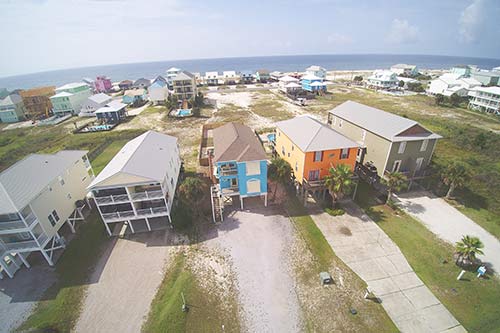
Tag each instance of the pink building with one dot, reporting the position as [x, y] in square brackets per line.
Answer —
[102, 84]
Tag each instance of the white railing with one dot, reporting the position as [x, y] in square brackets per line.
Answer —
[30, 219]
[152, 211]
[118, 215]
[146, 195]
[19, 224]
[30, 244]
[112, 199]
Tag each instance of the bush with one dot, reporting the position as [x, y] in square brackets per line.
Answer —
[335, 212]
[415, 86]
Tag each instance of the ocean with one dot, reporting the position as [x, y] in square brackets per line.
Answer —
[272, 63]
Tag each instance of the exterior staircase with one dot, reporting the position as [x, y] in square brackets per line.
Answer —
[217, 204]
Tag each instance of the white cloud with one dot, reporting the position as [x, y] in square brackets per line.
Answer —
[471, 20]
[337, 38]
[402, 32]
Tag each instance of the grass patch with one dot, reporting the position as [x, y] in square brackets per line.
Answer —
[204, 315]
[107, 154]
[60, 308]
[474, 302]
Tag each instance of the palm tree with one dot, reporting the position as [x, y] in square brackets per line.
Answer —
[280, 172]
[395, 181]
[455, 174]
[467, 249]
[338, 182]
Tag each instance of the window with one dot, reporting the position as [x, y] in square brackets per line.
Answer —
[252, 168]
[293, 147]
[51, 220]
[283, 150]
[396, 166]
[341, 122]
[424, 145]
[344, 154]
[318, 156]
[363, 136]
[69, 196]
[253, 186]
[288, 154]
[234, 182]
[296, 166]
[54, 213]
[402, 147]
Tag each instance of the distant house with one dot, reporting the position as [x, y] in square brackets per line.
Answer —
[158, 90]
[141, 83]
[103, 84]
[4, 93]
[246, 77]
[229, 77]
[486, 99]
[184, 86]
[316, 71]
[286, 81]
[212, 78]
[262, 75]
[276, 75]
[406, 80]
[93, 103]
[39, 194]
[461, 70]
[312, 148]
[389, 142]
[12, 109]
[69, 98]
[125, 84]
[113, 113]
[134, 96]
[137, 187]
[487, 78]
[37, 101]
[313, 83]
[405, 70]
[382, 79]
[170, 74]
[449, 84]
[91, 83]
[199, 78]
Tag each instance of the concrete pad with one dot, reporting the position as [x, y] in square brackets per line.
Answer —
[439, 318]
[368, 270]
[407, 280]
[421, 297]
[397, 305]
[383, 286]
[456, 329]
[400, 263]
[413, 323]
[387, 266]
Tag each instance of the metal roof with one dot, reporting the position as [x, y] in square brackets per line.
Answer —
[11, 100]
[72, 85]
[382, 123]
[26, 179]
[100, 98]
[112, 106]
[237, 142]
[310, 134]
[147, 156]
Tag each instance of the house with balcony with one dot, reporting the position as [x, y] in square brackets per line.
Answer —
[238, 165]
[112, 113]
[12, 109]
[184, 86]
[405, 70]
[170, 74]
[69, 98]
[382, 79]
[94, 103]
[316, 71]
[246, 77]
[313, 83]
[229, 77]
[486, 77]
[136, 189]
[37, 102]
[262, 75]
[449, 84]
[38, 196]
[135, 97]
[211, 78]
[125, 84]
[486, 99]
[312, 148]
[388, 142]
[102, 84]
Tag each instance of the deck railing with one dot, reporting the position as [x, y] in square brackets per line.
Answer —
[146, 195]
[112, 199]
[18, 224]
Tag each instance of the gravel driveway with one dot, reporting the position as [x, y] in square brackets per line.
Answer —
[124, 283]
[449, 224]
[257, 241]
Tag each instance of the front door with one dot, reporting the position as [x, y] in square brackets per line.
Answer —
[313, 175]
[418, 164]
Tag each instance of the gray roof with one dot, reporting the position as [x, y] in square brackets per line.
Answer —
[24, 180]
[11, 100]
[184, 75]
[147, 156]
[310, 134]
[100, 98]
[237, 142]
[382, 123]
[112, 106]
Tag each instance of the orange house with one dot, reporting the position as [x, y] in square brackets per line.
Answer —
[312, 148]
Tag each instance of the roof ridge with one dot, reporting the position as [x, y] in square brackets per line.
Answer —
[145, 134]
[314, 137]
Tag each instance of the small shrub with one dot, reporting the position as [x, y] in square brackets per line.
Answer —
[335, 212]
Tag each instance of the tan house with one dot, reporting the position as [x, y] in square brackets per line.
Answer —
[388, 141]
[184, 85]
[37, 101]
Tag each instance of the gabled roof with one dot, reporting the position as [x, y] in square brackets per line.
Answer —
[160, 79]
[100, 98]
[11, 100]
[62, 94]
[288, 78]
[211, 75]
[237, 142]
[310, 134]
[146, 157]
[184, 75]
[382, 123]
[311, 77]
[24, 180]
[112, 106]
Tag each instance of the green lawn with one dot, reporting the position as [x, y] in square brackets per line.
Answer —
[473, 301]
[337, 301]
[60, 308]
[205, 313]
[107, 154]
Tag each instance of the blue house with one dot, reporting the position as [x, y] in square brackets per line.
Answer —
[239, 163]
[313, 83]
[113, 113]
[135, 96]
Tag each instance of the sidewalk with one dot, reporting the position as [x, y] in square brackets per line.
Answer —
[371, 254]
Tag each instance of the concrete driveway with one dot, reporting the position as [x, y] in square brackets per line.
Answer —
[124, 283]
[257, 241]
[371, 254]
[449, 224]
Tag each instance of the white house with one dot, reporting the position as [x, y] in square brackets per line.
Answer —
[404, 69]
[316, 71]
[485, 99]
[212, 78]
[449, 84]
[171, 73]
[38, 195]
[93, 103]
[382, 79]
[137, 187]
[285, 81]
[230, 77]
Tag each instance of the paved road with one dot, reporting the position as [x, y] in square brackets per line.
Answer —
[449, 224]
[371, 254]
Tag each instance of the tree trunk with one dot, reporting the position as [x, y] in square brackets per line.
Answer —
[450, 191]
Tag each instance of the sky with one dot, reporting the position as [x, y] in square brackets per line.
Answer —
[41, 35]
